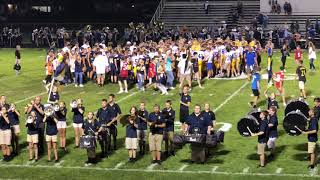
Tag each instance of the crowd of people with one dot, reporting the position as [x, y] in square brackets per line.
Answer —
[10, 37]
[276, 7]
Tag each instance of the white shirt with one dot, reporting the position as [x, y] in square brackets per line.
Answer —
[101, 63]
[312, 53]
[181, 67]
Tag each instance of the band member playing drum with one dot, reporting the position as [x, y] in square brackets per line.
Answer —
[102, 116]
[273, 130]
[142, 128]
[51, 136]
[114, 113]
[157, 124]
[312, 133]
[131, 136]
[301, 76]
[78, 121]
[38, 108]
[32, 135]
[61, 116]
[262, 137]
[5, 134]
[184, 105]
[91, 127]
[169, 116]
[13, 115]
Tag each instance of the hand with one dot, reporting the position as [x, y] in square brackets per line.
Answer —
[303, 132]
[108, 124]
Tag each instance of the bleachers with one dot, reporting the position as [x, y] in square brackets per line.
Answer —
[192, 14]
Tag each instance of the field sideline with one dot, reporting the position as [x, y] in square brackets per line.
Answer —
[235, 159]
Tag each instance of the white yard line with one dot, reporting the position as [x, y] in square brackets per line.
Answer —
[31, 97]
[279, 170]
[150, 168]
[214, 169]
[159, 171]
[183, 167]
[59, 163]
[231, 96]
[119, 165]
[245, 170]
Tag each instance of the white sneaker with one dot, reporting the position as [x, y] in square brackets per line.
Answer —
[201, 87]
[81, 85]
[126, 91]
[44, 81]
[76, 85]
[284, 70]
[284, 104]
[171, 88]
[120, 92]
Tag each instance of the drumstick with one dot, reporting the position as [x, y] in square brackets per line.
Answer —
[298, 128]
[249, 130]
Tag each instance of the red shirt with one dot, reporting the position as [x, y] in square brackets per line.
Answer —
[124, 69]
[297, 54]
[279, 79]
[152, 70]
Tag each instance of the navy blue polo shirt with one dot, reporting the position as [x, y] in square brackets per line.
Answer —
[313, 125]
[131, 131]
[273, 131]
[102, 115]
[13, 118]
[169, 116]
[142, 125]
[113, 111]
[54, 97]
[197, 121]
[158, 119]
[51, 128]
[77, 116]
[39, 116]
[89, 127]
[185, 99]
[210, 116]
[263, 128]
[61, 115]
[32, 128]
[3, 124]
[317, 112]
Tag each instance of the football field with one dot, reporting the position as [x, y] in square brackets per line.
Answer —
[236, 158]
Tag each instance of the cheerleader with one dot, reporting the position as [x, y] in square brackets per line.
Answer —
[13, 115]
[78, 121]
[62, 124]
[32, 135]
[51, 136]
[5, 134]
[91, 127]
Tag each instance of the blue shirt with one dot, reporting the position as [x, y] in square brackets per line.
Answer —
[255, 79]
[185, 99]
[54, 97]
[32, 128]
[113, 111]
[51, 128]
[156, 118]
[169, 116]
[61, 115]
[313, 125]
[197, 121]
[269, 51]
[90, 128]
[13, 118]
[77, 116]
[142, 125]
[131, 131]
[3, 124]
[273, 131]
[102, 115]
[250, 56]
[263, 128]
[78, 66]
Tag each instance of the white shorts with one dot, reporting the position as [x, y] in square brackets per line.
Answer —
[301, 85]
[76, 125]
[131, 143]
[61, 125]
[271, 142]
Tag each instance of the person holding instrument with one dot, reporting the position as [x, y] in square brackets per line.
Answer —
[102, 116]
[169, 116]
[114, 112]
[131, 136]
[51, 136]
[312, 133]
[262, 137]
[142, 127]
[78, 112]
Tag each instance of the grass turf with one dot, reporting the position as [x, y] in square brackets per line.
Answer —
[236, 154]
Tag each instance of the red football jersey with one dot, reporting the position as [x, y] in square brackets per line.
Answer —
[279, 79]
[298, 54]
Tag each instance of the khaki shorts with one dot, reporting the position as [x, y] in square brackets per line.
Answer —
[155, 142]
[261, 148]
[101, 75]
[185, 77]
[301, 85]
[5, 137]
[33, 138]
[51, 138]
[61, 125]
[77, 125]
[312, 147]
[131, 143]
[16, 129]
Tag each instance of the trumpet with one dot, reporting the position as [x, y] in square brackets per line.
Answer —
[48, 111]
[56, 107]
[74, 103]
[30, 119]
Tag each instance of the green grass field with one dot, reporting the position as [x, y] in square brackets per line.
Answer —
[234, 159]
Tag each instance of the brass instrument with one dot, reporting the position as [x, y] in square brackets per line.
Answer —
[49, 110]
[30, 119]
[56, 107]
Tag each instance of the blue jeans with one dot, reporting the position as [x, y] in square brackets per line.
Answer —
[140, 80]
[170, 78]
[78, 77]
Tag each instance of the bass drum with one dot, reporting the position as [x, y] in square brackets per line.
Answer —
[255, 114]
[292, 120]
[251, 122]
[297, 104]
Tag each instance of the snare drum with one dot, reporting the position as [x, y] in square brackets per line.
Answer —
[87, 142]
